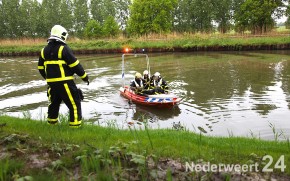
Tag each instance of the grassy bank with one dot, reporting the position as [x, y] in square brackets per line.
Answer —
[33, 149]
[156, 43]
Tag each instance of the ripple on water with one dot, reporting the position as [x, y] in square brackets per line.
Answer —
[239, 96]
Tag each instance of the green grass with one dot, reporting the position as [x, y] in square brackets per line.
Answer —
[114, 145]
[179, 143]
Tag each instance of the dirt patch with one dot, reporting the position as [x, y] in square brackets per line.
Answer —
[34, 154]
[38, 161]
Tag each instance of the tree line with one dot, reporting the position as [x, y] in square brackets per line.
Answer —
[109, 18]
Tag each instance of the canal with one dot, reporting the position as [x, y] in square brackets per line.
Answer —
[223, 93]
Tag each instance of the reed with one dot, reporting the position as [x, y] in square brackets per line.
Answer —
[22, 41]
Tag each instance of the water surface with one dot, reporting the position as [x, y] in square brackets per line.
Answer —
[224, 93]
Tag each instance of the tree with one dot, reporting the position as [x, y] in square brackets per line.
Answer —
[151, 16]
[194, 15]
[97, 10]
[257, 15]
[10, 11]
[51, 12]
[42, 28]
[119, 9]
[93, 29]
[81, 16]
[287, 14]
[28, 23]
[223, 14]
[110, 27]
[184, 16]
[66, 15]
[101, 9]
[287, 23]
[122, 12]
[2, 22]
[204, 15]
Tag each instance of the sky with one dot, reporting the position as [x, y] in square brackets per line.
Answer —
[282, 20]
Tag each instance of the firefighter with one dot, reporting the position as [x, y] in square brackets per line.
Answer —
[57, 65]
[158, 84]
[148, 90]
[146, 79]
[137, 84]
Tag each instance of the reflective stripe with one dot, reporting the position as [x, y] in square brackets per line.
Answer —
[75, 126]
[40, 67]
[85, 74]
[75, 123]
[49, 119]
[60, 52]
[52, 120]
[75, 110]
[74, 64]
[42, 54]
[49, 98]
[60, 63]
[59, 79]
[49, 95]
[61, 71]
[55, 62]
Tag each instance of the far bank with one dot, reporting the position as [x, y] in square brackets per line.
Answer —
[188, 43]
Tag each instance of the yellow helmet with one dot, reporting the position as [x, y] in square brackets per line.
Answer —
[58, 33]
[138, 75]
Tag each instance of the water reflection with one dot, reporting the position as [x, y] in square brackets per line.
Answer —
[224, 93]
[155, 114]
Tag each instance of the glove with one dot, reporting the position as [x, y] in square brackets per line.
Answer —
[86, 79]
